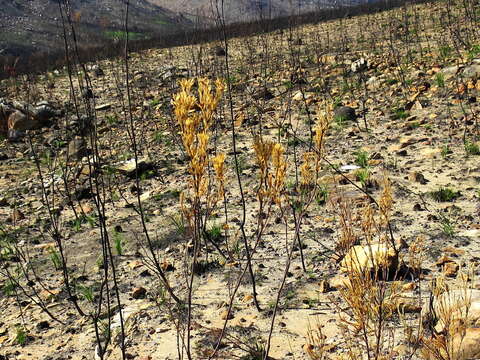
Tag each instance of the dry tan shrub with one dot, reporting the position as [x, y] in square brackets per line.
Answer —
[455, 313]
[316, 345]
[371, 258]
[195, 115]
[273, 167]
[349, 236]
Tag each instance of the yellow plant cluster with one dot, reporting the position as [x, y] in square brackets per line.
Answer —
[195, 116]
[386, 201]
[311, 159]
[273, 167]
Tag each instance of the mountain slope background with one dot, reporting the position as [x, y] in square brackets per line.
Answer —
[247, 10]
[29, 26]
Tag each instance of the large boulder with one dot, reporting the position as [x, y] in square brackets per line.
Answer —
[471, 72]
[450, 72]
[344, 113]
[17, 117]
[453, 307]
[373, 258]
[462, 344]
[18, 121]
[466, 344]
[44, 113]
[130, 168]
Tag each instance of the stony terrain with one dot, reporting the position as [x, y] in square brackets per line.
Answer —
[405, 97]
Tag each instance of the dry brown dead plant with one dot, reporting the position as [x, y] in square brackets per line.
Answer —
[316, 346]
[370, 299]
[452, 319]
[195, 114]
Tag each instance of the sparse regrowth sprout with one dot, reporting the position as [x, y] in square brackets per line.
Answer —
[447, 226]
[472, 148]
[445, 51]
[361, 158]
[118, 241]
[20, 336]
[86, 292]
[474, 52]
[215, 233]
[55, 258]
[400, 114]
[9, 287]
[362, 175]
[446, 151]
[322, 195]
[445, 194]
[440, 80]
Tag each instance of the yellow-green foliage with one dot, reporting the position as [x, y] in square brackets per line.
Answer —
[195, 115]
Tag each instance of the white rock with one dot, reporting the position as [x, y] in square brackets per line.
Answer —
[373, 257]
[360, 65]
[454, 306]
[347, 168]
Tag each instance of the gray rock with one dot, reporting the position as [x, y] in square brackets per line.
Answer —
[82, 125]
[374, 82]
[5, 112]
[88, 93]
[450, 71]
[168, 73]
[219, 51]
[97, 71]
[18, 117]
[15, 135]
[471, 72]
[360, 65]
[77, 148]
[347, 168]
[345, 113]
[128, 167]
[44, 103]
[44, 113]
[19, 121]
[103, 107]
[263, 94]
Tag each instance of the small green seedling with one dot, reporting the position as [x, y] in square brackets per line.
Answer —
[86, 292]
[214, 233]
[472, 148]
[440, 80]
[21, 336]
[55, 258]
[361, 158]
[446, 151]
[322, 195]
[362, 175]
[445, 194]
[118, 241]
[447, 226]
